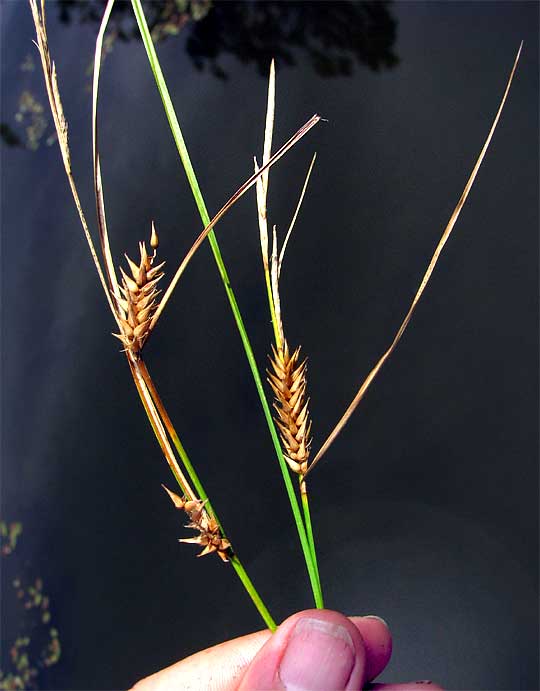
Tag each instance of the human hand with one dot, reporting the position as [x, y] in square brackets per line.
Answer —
[314, 650]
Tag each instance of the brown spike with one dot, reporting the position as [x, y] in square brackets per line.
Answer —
[288, 382]
[210, 536]
[139, 302]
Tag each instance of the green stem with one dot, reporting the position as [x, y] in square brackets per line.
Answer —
[183, 152]
[248, 585]
[302, 485]
[309, 529]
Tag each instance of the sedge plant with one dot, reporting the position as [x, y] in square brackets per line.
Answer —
[136, 305]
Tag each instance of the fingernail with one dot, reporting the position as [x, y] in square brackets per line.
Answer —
[374, 616]
[319, 656]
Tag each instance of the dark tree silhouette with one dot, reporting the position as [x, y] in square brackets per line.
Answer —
[335, 34]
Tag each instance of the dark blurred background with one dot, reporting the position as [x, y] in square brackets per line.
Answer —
[426, 508]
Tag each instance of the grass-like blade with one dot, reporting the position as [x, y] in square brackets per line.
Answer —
[431, 266]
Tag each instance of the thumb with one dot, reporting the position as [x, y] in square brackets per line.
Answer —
[312, 650]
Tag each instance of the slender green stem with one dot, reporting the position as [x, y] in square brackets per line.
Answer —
[302, 485]
[309, 531]
[182, 150]
[248, 585]
[272, 289]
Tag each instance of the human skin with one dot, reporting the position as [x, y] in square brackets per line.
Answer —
[314, 650]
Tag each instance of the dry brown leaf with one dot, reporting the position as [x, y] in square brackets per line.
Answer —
[442, 242]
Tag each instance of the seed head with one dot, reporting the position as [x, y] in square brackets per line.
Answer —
[210, 537]
[139, 301]
[288, 382]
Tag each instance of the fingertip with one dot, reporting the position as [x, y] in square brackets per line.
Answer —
[377, 641]
[314, 649]
[377, 618]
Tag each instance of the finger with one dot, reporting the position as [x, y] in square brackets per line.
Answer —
[315, 650]
[377, 642]
[221, 667]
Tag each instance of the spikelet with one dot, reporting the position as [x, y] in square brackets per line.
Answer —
[288, 382]
[139, 297]
[210, 536]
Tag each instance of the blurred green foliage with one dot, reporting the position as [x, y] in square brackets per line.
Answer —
[34, 644]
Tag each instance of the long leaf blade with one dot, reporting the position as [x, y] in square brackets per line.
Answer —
[98, 186]
[431, 266]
